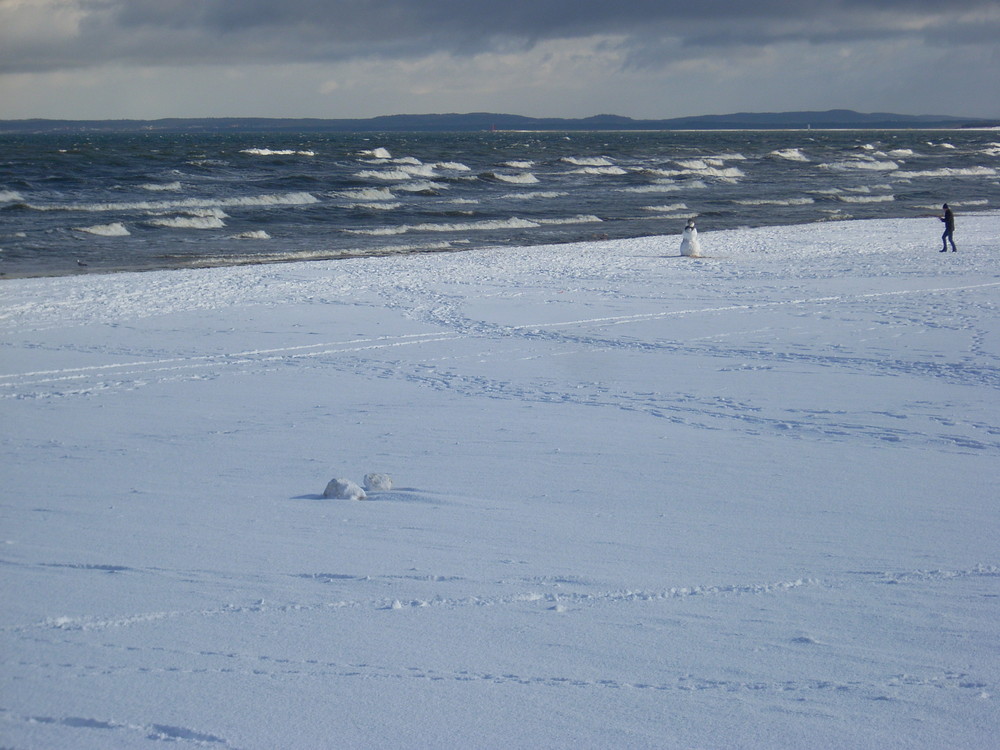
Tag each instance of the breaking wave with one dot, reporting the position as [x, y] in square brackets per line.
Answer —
[523, 178]
[166, 187]
[790, 154]
[951, 172]
[284, 199]
[117, 229]
[188, 222]
[276, 152]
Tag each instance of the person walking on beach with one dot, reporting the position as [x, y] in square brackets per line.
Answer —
[949, 230]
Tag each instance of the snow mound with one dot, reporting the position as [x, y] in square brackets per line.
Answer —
[344, 489]
[377, 482]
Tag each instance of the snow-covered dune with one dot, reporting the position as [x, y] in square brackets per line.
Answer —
[637, 500]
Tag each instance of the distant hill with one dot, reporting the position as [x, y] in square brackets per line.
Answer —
[480, 121]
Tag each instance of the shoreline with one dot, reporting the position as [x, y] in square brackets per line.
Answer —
[271, 260]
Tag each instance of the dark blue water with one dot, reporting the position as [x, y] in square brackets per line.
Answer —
[132, 202]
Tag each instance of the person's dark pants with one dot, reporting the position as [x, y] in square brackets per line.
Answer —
[946, 238]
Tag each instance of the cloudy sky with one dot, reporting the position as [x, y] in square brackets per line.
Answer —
[97, 59]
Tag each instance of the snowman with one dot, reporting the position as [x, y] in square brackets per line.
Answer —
[690, 246]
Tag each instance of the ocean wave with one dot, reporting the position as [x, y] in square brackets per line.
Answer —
[518, 164]
[420, 170]
[951, 172]
[992, 149]
[425, 187]
[667, 209]
[385, 206]
[522, 178]
[774, 202]
[701, 168]
[188, 222]
[580, 219]
[535, 194]
[868, 164]
[276, 152]
[278, 199]
[367, 194]
[657, 187]
[587, 161]
[484, 225]
[260, 234]
[117, 229]
[377, 153]
[611, 171]
[866, 198]
[898, 153]
[394, 175]
[10, 196]
[161, 187]
[452, 166]
[790, 154]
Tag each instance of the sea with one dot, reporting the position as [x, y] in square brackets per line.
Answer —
[92, 203]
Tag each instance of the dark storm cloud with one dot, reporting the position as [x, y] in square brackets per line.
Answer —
[153, 32]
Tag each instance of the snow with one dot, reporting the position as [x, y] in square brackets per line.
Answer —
[637, 500]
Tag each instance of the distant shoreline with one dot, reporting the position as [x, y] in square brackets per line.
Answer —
[477, 122]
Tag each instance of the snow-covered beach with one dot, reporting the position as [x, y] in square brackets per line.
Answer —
[645, 501]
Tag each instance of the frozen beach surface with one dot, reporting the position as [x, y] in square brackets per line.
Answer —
[645, 501]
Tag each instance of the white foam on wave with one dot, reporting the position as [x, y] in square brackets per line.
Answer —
[485, 225]
[535, 194]
[865, 164]
[992, 149]
[383, 206]
[588, 161]
[377, 153]
[276, 152]
[899, 153]
[259, 234]
[117, 229]
[951, 172]
[774, 201]
[161, 187]
[368, 194]
[518, 164]
[277, 199]
[790, 154]
[579, 219]
[393, 175]
[667, 209]
[10, 196]
[521, 178]
[712, 168]
[452, 166]
[611, 171]
[659, 187]
[188, 222]
[422, 186]
[866, 198]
